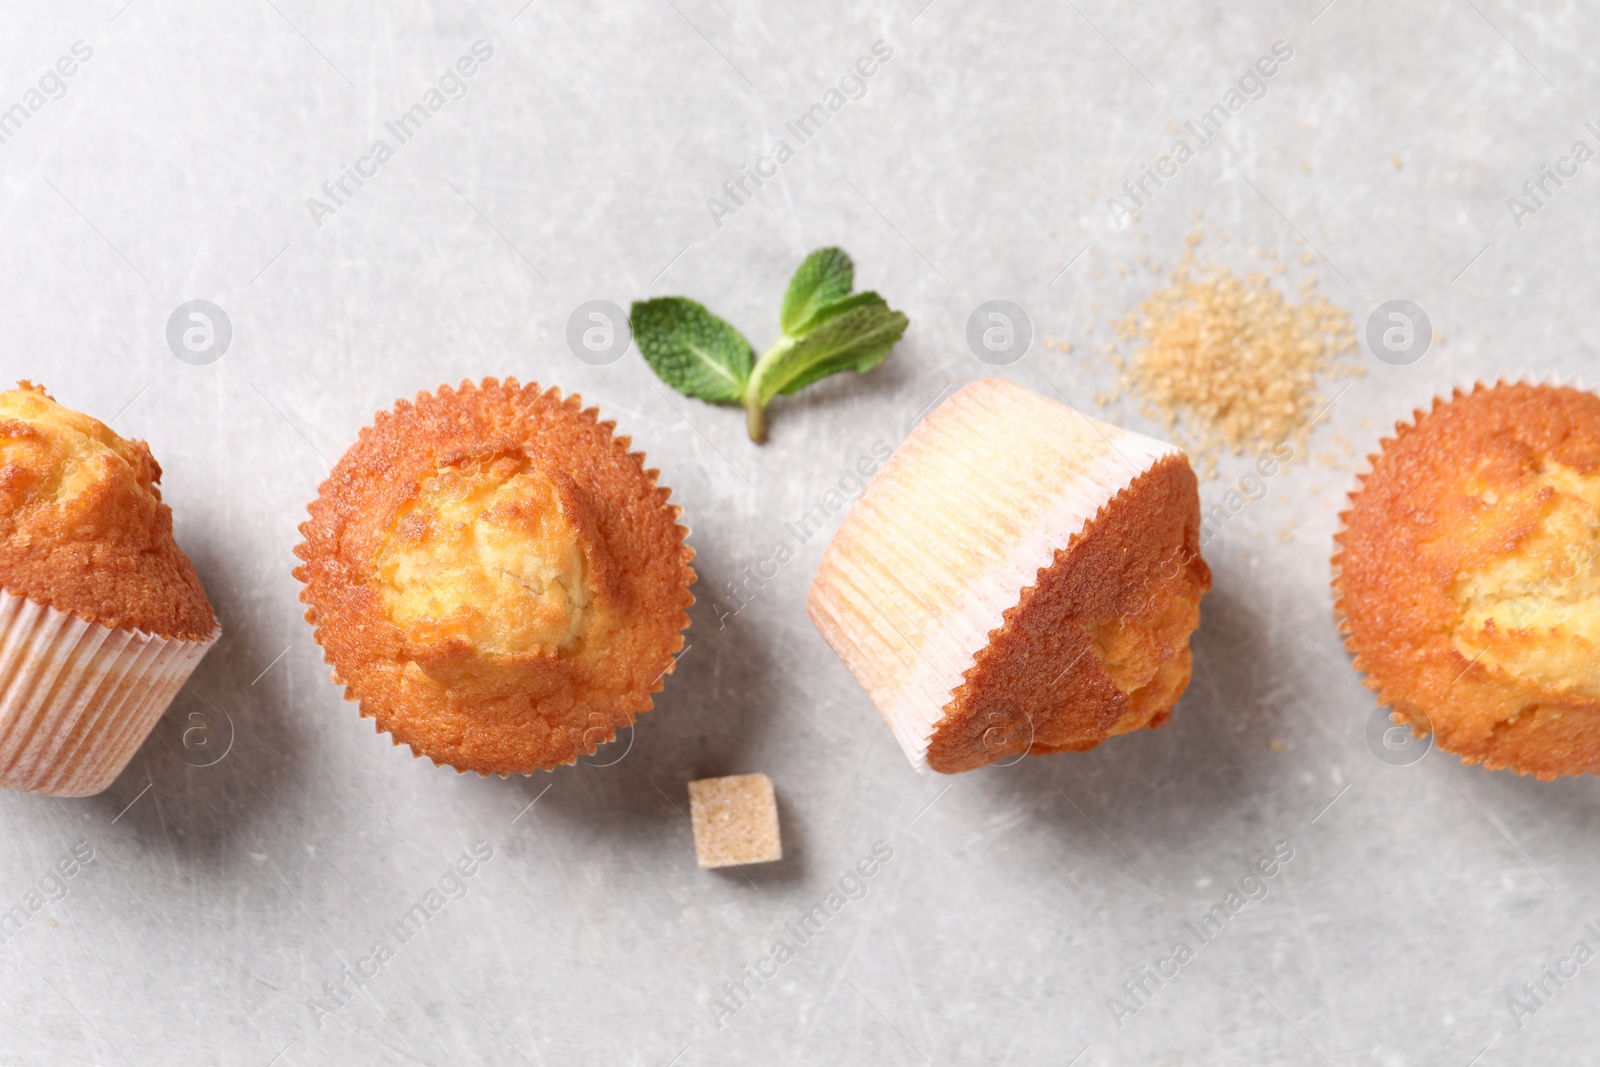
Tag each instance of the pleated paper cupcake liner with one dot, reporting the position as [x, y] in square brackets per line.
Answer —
[78, 698]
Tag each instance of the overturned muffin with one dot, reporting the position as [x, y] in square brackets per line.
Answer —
[1018, 578]
[102, 618]
[496, 579]
[1467, 578]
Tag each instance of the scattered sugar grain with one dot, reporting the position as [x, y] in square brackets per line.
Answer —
[1229, 361]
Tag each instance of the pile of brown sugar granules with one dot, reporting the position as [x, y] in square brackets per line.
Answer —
[1228, 362]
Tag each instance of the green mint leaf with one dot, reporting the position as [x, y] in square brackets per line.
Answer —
[691, 349]
[825, 312]
[825, 277]
[857, 340]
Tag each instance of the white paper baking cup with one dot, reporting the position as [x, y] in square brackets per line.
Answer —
[78, 698]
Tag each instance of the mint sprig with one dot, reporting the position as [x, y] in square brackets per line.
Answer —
[826, 328]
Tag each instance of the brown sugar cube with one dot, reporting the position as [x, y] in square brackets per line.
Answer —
[735, 820]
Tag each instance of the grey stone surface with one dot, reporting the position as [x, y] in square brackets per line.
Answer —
[177, 165]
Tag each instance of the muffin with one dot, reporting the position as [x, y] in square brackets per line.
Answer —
[1467, 577]
[1018, 578]
[102, 617]
[495, 578]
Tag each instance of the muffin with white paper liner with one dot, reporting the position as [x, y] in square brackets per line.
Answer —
[102, 617]
[1018, 578]
[1466, 575]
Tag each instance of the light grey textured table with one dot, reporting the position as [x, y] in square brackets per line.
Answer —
[223, 902]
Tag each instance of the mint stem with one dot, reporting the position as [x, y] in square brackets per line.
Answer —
[755, 407]
[755, 419]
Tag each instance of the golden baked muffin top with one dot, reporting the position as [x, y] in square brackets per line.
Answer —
[496, 579]
[82, 525]
[1469, 576]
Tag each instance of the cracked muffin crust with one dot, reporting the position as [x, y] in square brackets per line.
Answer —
[82, 525]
